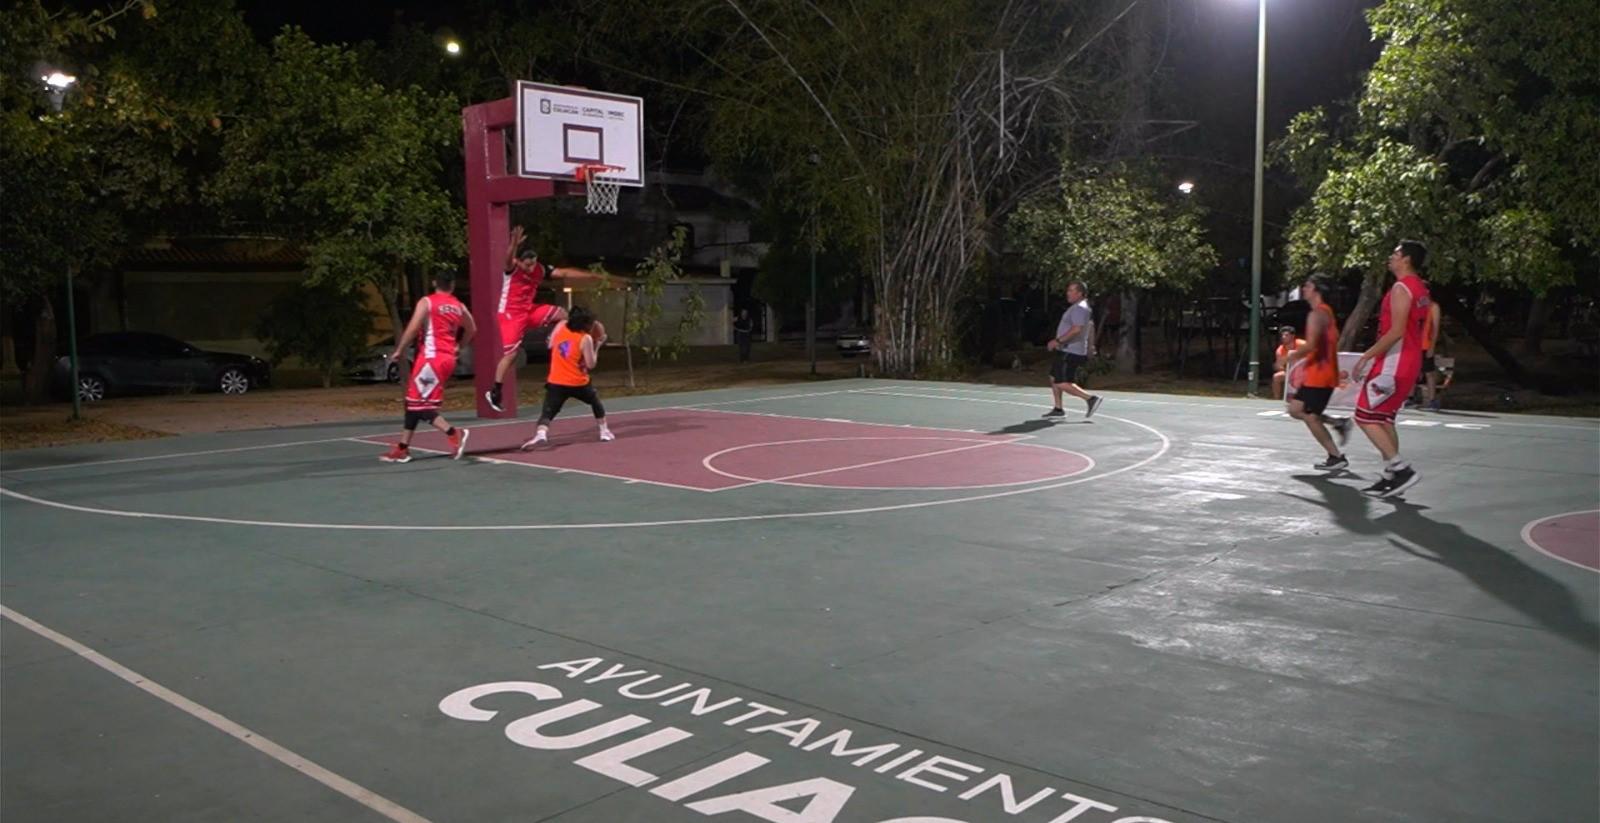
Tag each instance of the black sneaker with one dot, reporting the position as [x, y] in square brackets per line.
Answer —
[1403, 479]
[1332, 464]
[1094, 404]
[494, 399]
[1380, 488]
[1341, 427]
[1056, 412]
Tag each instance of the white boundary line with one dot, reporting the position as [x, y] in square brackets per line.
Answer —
[1089, 464]
[366, 797]
[1527, 537]
[1241, 404]
[1166, 445]
[390, 433]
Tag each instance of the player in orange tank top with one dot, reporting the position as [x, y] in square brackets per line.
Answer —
[1319, 375]
[574, 351]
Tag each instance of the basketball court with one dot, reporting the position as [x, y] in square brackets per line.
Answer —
[848, 601]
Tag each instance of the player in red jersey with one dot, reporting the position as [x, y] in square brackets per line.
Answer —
[1396, 363]
[434, 324]
[517, 312]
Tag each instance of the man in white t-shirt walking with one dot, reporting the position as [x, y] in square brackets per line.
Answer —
[1071, 345]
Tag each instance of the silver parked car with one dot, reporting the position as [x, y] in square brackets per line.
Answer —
[375, 365]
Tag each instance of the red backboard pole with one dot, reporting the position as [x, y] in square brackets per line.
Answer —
[490, 193]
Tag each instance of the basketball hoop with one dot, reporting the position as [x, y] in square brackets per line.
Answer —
[601, 186]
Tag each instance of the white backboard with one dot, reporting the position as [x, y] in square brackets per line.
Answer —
[559, 128]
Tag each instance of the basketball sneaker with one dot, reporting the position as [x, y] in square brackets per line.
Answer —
[538, 438]
[1403, 479]
[606, 436]
[458, 443]
[1056, 412]
[1380, 488]
[1332, 464]
[398, 454]
[494, 399]
[1094, 406]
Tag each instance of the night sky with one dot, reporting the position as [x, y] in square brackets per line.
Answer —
[1317, 50]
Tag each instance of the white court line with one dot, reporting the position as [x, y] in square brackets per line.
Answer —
[1527, 537]
[500, 461]
[366, 797]
[390, 433]
[1166, 446]
[1246, 404]
[752, 481]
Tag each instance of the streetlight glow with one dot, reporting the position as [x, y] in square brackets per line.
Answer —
[452, 46]
[1186, 187]
[57, 80]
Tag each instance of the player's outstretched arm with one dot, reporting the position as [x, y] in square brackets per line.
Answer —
[511, 250]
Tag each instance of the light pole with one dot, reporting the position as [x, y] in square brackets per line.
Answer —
[57, 84]
[811, 306]
[1256, 238]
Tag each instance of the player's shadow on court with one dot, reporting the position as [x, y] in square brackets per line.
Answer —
[1031, 426]
[1496, 571]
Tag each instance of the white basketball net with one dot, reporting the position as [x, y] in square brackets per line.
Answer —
[603, 190]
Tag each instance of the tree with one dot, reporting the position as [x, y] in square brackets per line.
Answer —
[1116, 231]
[1466, 135]
[906, 129]
[644, 304]
[347, 167]
[323, 326]
[125, 156]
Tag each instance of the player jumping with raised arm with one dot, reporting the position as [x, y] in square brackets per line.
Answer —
[574, 351]
[1396, 360]
[434, 323]
[517, 311]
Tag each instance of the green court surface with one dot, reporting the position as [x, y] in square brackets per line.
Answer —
[850, 601]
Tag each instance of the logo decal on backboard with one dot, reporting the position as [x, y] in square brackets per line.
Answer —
[544, 105]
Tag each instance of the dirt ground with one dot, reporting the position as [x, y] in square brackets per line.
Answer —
[129, 418]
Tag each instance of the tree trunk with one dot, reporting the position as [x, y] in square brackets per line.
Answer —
[327, 378]
[37, 389]
[1127, 342]
[389, 289]
[1371, 293]
[1538, 316]
[1450, 302]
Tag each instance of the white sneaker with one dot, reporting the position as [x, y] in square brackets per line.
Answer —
[606, 436]
[537, 438]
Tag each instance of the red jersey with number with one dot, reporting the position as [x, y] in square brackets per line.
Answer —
[1405, 356]
[518, 287]
[445, 317]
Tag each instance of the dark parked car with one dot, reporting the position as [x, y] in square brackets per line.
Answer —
[128, 361]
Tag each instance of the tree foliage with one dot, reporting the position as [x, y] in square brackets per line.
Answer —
[322, 325]
[647, 302]
[1464, 136]
[906, 129]
[1114, 230]
[346, 166]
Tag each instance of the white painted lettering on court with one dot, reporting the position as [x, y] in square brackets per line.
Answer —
[809, 800]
